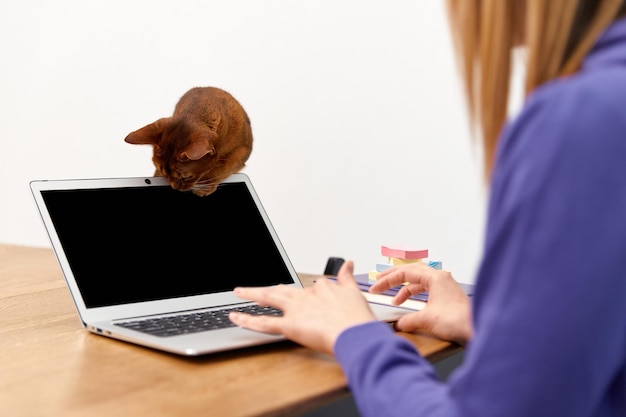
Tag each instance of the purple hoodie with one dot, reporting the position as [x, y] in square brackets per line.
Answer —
[549, 309]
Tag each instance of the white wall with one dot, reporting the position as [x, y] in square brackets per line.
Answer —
[359, 124]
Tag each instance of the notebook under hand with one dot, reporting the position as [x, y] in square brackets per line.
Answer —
[137, 254]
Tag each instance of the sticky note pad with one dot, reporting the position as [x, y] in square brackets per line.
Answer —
[403, 252]
[372, 275]
[435, 264]
[383, 266]
[400, 261]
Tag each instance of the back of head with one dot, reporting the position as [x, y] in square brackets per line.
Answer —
[556, 36]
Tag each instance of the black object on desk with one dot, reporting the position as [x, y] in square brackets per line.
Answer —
[333, 265]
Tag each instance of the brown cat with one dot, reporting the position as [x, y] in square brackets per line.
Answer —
[207, 138]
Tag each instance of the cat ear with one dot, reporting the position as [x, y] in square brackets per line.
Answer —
[149, 134]
[197, 148]
[214, 121]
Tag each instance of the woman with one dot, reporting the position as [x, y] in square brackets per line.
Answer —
[546, 335]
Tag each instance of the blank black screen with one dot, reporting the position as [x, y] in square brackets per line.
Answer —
[141, 244]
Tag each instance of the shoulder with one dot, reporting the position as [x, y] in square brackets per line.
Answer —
[566, 148]
[568, 123]
[580, 106]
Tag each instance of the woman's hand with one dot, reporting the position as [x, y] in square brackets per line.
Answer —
[313, 316]
[447, 313]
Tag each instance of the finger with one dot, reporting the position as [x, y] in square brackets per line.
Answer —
[345, 276]
[410, 322]
[406, 292]
[400, 297]
[266, 324]
[275, 296]
[390, 280]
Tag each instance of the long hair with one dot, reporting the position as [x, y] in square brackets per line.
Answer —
[556, 36]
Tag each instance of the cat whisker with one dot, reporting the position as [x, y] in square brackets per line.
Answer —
[202, 185]
[208, 180]
[205, 182]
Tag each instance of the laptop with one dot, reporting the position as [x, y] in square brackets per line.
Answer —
[153, 266]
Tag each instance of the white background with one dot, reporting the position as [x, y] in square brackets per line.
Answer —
[359, 124]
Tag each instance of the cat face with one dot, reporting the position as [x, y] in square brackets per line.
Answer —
[183, 155]
[183, 173]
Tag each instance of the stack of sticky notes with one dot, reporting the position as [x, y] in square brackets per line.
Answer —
[398, 255]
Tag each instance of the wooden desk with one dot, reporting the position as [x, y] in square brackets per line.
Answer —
[51, 366]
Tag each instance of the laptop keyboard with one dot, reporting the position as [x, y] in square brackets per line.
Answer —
[193, 322]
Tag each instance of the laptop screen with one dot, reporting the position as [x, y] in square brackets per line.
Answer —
[136, 244]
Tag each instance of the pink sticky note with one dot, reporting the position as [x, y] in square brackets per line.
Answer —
[403, 252]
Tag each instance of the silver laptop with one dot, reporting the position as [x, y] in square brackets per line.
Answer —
[157, 267]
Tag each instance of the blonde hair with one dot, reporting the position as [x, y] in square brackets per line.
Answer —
[556, 34]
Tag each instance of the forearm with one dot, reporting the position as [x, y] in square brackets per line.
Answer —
[387, 376]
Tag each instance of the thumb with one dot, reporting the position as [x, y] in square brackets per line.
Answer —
[345, 276]
[411, 322]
